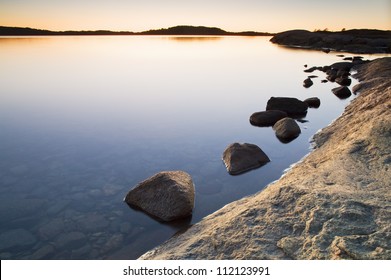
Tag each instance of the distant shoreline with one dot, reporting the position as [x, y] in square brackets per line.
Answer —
[360, 41]
[179, 30]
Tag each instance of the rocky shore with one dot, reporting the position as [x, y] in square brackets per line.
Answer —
[353, 41]
[334, 204]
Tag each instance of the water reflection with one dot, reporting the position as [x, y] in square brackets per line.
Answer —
[194, 38]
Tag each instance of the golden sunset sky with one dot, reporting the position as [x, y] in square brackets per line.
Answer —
[239, 15]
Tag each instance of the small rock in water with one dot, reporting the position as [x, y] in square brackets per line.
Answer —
[307, 83]
[313, 102]
[168, 195]
[239, 158]
[267, 118]
[343, 81]
[287, 129]
[342, 92]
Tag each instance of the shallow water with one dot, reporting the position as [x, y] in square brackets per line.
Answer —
[84, 119]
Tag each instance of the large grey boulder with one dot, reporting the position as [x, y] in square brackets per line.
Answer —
[267, 118]
[239, 158]
[167, 195]
[290, 105]
[287, 129]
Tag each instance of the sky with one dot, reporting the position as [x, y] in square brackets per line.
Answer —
[239, 15]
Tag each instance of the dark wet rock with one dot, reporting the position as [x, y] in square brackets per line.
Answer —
[357, 60]
[307, 83]
[345, 66]
[342, 92]
[168, 195]
[310, 70]
[332, 76]
[267, 118]
[16, 238]
[312, 76]
[343, 81]
[324, 81]
[291, 106]
[287, 129]
[348, 58]
[343, 73]
[239, 158]
[70, 240]
[313, 102]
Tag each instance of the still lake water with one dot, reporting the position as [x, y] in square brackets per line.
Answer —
[84, 119]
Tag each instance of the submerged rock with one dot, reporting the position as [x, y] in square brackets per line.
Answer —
[16, 238]
[167, 195]
[267, 118]
[239, 158]
[287, 129]
[291, 106]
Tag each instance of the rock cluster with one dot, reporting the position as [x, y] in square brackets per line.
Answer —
[334, 204]
[339, 73]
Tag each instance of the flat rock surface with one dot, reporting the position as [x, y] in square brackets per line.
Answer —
[334, 204]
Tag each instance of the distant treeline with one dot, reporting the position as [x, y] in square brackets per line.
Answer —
[176, 30]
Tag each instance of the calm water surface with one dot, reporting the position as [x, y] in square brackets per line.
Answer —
[84, 119]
